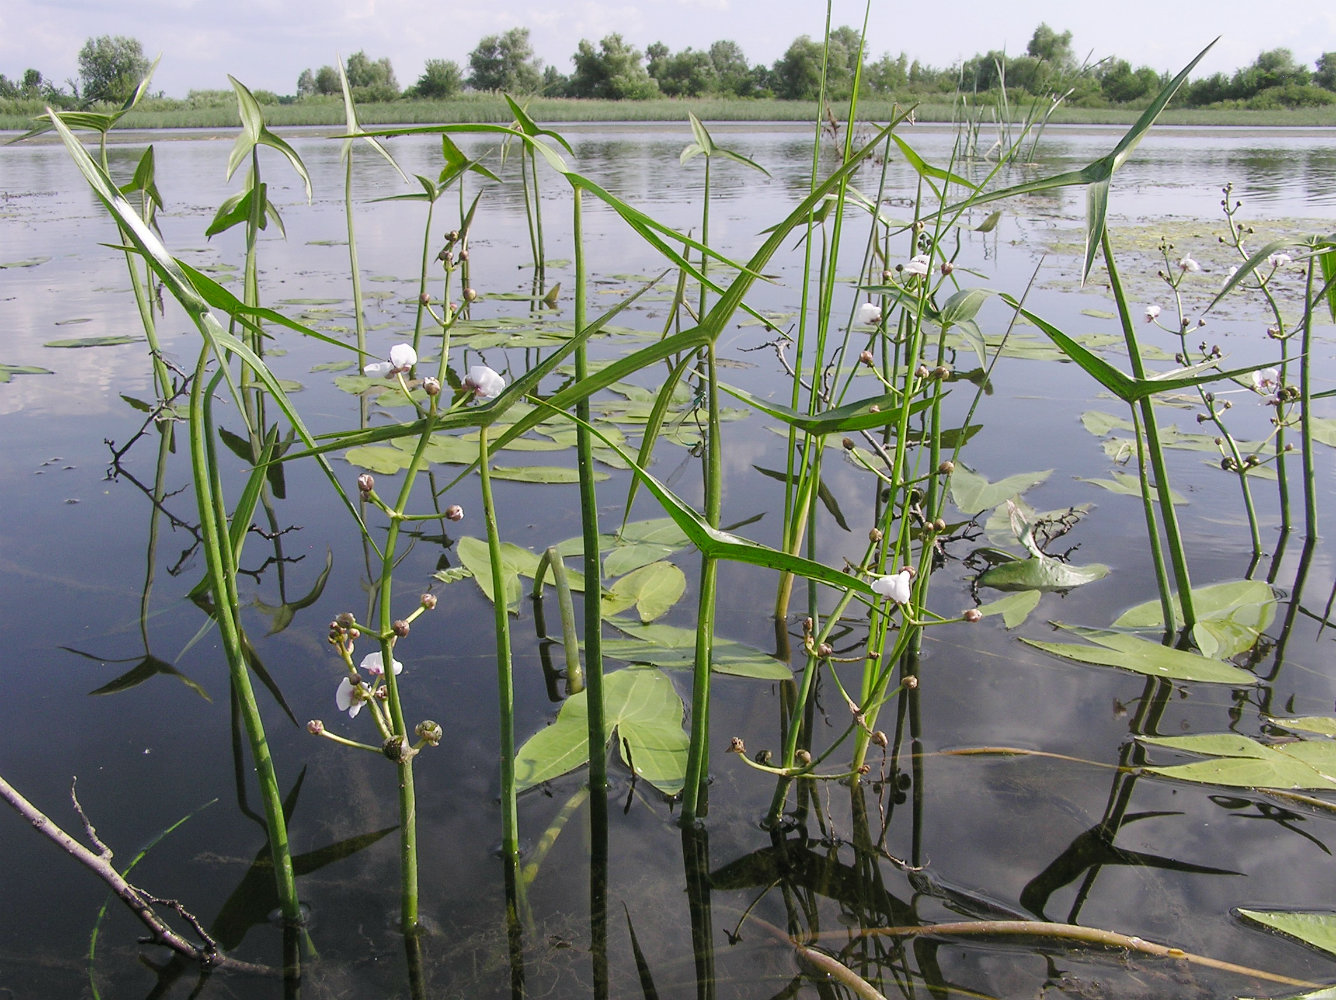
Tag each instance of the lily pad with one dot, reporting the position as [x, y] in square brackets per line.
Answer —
[1041, 573]
[641, 706]
[972, 493]
[515, 561]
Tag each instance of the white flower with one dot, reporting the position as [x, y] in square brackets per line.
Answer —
[402, 358]
[1152, 312]
[349, 698]
[1267, 383]
[896, 586]
[374, 664]
[485, 383]
[919, 266]
[1280, 260]
[1186, 264]
[869, 314]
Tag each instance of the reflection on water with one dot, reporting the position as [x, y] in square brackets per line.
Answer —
[136, 703]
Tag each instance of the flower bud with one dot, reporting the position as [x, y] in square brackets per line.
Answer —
[939, 525]
[941, 372]
[429, 732]
[424, 299]
[429, 601]
[431, 386]
[824, 650]
[866, 358]
[470, 295]
[366, 482]
[464, 254]
[921, 371]
[947, 268]
[399, 627]
[874, 536]
[345, 620]
[879, 739]
[911, 683]
[865, 768]
[396, 749]
[946, 468]
[735, 745]
[848, 444]
[972, 615]
[315, 727]
[763, 756]
[454, 512]
[802, 758]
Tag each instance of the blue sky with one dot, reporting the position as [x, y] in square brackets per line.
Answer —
[267, 43]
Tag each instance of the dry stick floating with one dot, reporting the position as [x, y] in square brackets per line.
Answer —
[1068, 932]
[140, 903]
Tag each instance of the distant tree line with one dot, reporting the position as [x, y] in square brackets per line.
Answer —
[111, 67]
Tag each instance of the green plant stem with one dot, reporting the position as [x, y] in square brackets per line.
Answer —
[505, 683]
[222, 581]
[698, 754]
[355, 271]
[593, 576]
[1177, 555]
[1305, 404]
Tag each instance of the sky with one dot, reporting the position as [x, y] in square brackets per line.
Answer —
[267, 43]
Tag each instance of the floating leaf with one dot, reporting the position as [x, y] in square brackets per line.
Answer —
[1312, 927]
[1014, 608]
[7, 372]
[1042, 573]
[1128, 485]
[541, 474]
[515, 561]
[1241, 762]
[1231, 617]
[645, 711]
[380, 458]
[109, 341]
[972, 493]
[1131, 652]
[30, 262]
[652, 589]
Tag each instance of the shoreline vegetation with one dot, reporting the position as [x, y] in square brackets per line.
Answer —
[492, 108]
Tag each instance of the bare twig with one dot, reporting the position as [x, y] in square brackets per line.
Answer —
[140, 903]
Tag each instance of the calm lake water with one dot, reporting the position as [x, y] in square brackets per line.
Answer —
[97, 557]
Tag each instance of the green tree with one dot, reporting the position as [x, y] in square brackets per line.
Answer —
[1121, 84]
[306, 84]
[798, 71]
[110, 68]
[613, 71]
[1326, 71]
[689, 73]
[730, 65]
[440, 78]
[507, 63]
[371, 81]
[327, 81]
[887, 75]
[1053, 48]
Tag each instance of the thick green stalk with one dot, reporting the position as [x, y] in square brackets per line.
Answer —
[505, 683]
[698, 754]
[1306, 410]
[593, 576]
[222, 581]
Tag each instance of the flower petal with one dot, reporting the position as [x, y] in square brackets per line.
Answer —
[377, 368]
[868, 314]
[374, 664]
[346, 700]
[403, 356]
[896, 586]
[485, 383]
